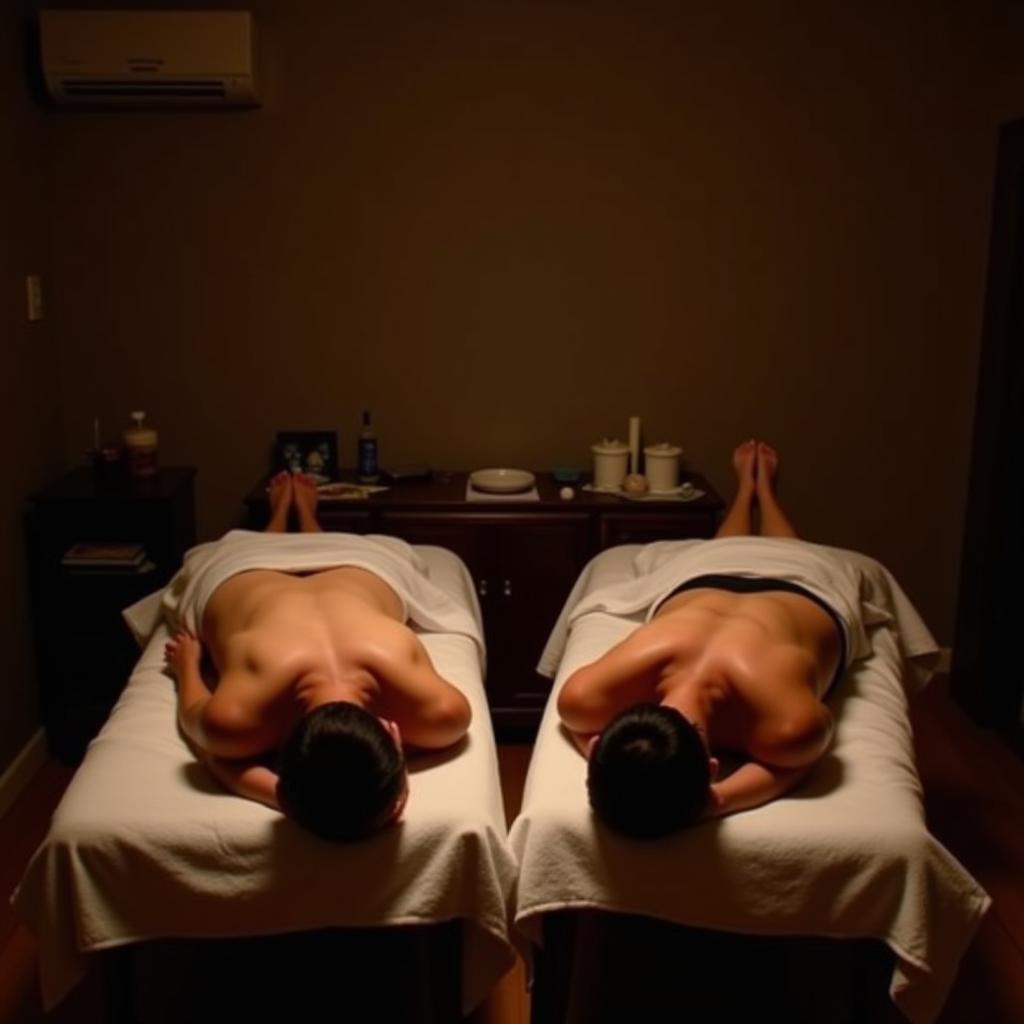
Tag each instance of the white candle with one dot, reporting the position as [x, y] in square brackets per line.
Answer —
[634, 444]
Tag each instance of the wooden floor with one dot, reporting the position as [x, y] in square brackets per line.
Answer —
[974, 795]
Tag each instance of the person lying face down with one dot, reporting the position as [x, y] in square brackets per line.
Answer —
[732, 664]
[318, 688]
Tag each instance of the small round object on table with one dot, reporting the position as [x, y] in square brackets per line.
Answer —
[635, 483]
[567, 494]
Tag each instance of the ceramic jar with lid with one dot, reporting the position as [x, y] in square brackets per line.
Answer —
[611, 463]
[661, 462]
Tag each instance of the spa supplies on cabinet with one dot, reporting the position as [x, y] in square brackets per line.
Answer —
[367, 470]
[662, 464]
[610, 464]
[140, 446]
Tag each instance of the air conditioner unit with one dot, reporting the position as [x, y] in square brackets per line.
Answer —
[148, 57]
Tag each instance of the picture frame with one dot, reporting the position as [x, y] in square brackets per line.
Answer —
[313, 452]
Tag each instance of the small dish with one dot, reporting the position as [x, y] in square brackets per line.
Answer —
[502, 481]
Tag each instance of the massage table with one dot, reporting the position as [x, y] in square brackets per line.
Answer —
[213, 906]
[831, 903]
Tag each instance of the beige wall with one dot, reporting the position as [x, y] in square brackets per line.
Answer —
[29, 382]
[506, 227]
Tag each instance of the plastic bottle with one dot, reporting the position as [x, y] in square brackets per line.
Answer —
[140, 445]
[367, 471]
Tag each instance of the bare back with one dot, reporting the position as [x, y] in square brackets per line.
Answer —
[776, 651]
[270, 633]
[764, 659]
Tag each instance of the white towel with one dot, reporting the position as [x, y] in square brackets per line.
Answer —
[860, 590]
[207, 566]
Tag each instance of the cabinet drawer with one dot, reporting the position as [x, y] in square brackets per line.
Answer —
[626, 528]
[336, 518]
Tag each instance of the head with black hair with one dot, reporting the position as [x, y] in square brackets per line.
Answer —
[341, 772]
[649, 772]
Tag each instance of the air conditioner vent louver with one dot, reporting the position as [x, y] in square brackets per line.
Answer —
[212, 89]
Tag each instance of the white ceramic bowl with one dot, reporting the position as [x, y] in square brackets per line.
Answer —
[502, 481]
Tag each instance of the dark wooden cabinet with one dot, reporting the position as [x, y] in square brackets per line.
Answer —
[84, 652]
[523, 564]
[524, 557]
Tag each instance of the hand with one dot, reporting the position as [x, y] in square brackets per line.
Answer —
[182, 651]
[715, 807]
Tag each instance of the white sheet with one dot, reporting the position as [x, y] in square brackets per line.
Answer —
[144, 844]
[847, 854]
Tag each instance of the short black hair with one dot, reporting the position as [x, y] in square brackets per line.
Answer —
[649, 772]
[340, 772]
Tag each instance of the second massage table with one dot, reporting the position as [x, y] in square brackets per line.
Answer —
[733, 913]
[147, 855]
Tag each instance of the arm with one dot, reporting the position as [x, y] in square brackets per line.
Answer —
[248, 778]
[184, 654]
[751, 785]
[796, 749]
[594, 694]
[215, 725]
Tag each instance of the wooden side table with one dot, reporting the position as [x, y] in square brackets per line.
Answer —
[84, 652]
[524, 557]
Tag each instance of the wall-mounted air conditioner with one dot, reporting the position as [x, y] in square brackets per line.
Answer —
[148, 57]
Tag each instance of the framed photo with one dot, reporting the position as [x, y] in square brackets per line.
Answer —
[314, 452]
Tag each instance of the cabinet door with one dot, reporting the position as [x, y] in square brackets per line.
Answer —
[523, 566]
[461, 535]
[539, 559]
[476, 543]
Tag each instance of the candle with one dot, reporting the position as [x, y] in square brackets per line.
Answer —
[634, 444]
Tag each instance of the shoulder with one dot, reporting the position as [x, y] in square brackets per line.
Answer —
[797, 734]
[412, 686]
[647, 647]
[233, 726]
[387, 643]
[625, 674]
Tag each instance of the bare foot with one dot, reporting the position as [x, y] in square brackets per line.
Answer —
[305, 498]
[774, 522]
[767, 465]
[280, 489]
[744, 461]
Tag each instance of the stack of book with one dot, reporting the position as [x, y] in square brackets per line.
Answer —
[106, 557]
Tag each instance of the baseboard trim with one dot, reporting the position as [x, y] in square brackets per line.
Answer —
[22, 771]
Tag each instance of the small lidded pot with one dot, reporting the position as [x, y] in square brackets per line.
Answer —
[661, 463]
[140, 449]
[611, 463]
